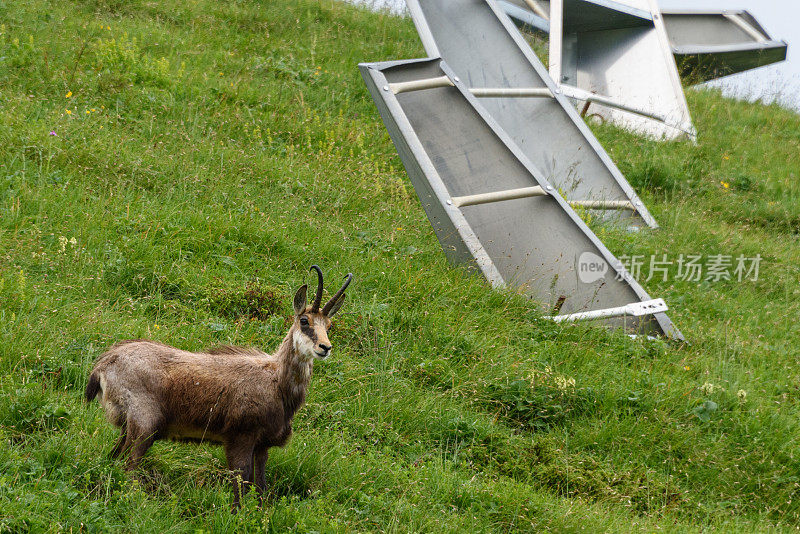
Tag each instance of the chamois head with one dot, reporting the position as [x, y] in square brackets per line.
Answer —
[311, 324]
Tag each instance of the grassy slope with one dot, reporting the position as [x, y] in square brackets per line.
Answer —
[216, 149]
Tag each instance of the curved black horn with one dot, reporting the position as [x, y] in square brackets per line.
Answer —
[318, 296]
[338, 294]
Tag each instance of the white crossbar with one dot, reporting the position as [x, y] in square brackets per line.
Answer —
[581, 94]
[537, 191]
[745, 27]
[480, 92]
[419, 85]
[508, 92]
[636, 309]
[520, 92]
[498, 196]
[536, 8]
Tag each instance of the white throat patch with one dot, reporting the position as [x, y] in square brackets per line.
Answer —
[303, 345]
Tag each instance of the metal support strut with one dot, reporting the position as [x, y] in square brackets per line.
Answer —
[745, 27]
[498, 196]
[480, 92]
[520, 92]
[636, 309]
[536, 191]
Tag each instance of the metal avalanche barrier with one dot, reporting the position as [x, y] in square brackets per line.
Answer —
[488, 53]
[620, 48]
[712, 44]
[707, 44]
[494, 209]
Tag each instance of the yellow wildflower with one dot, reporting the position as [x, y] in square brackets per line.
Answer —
[726, 185]
[68, 95]
[69, 111]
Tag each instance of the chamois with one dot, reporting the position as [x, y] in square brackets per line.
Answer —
[244, 399]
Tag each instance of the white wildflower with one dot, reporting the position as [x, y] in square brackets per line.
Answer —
[563, 383]
[742, 395]
[707, 388]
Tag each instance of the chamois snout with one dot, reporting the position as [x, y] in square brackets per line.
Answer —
[311, 335]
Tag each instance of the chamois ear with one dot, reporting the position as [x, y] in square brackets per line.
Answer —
[300, 300]
[336, 305]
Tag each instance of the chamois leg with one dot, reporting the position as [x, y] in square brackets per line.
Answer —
[239, 453]
[120, 445]
[259, 464]
[141, 436]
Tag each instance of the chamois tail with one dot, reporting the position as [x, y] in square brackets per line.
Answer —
[93, 387]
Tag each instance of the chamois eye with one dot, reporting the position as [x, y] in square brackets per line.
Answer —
[304, 321]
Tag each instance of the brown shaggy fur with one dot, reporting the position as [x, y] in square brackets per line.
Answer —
[244, 399]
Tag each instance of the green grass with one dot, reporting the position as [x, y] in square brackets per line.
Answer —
[209, 152]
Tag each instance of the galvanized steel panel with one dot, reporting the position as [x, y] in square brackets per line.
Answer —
[709, 44]
[631, 64]
[485, 49]
[705, 43]
[451, 146]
